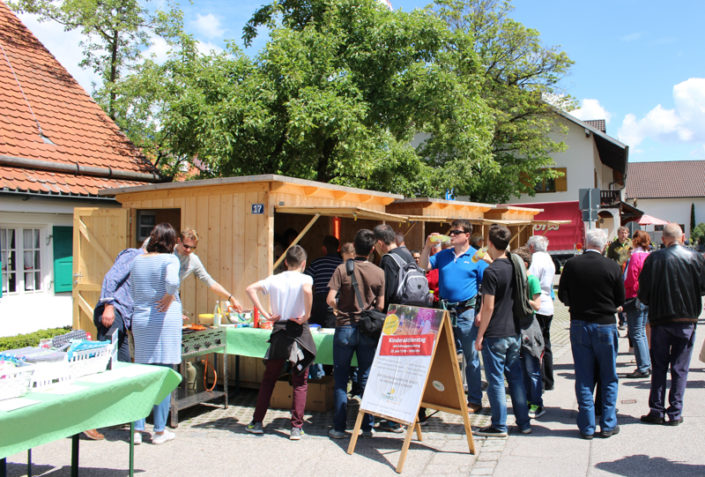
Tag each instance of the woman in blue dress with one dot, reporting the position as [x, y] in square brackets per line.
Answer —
[156, 322]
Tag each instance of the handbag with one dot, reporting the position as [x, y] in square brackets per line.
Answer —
[371, 320]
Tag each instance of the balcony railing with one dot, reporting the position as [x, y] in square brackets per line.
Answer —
[609, 198]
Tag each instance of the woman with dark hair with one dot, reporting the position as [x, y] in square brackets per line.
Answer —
[637, 312]
[156, 320]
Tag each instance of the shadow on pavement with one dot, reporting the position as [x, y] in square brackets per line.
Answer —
[643, 465]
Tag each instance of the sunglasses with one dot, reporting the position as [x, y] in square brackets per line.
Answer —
[188, 247]
[456, 232]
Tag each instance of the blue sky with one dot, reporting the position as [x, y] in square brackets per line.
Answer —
[639, 64]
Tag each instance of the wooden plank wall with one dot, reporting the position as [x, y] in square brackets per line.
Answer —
[234, 245]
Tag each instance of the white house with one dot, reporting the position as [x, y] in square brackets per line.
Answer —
[57, 150]
[668, 190]
[592, 159]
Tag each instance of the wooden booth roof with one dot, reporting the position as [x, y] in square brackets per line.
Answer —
[312, 190]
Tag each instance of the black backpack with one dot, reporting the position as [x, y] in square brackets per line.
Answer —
[523, 313]
[413, 284]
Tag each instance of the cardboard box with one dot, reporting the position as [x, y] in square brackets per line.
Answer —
[319, 396]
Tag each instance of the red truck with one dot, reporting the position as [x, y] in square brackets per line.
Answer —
[565, 240]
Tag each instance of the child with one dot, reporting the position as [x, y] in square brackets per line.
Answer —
[291, 296]
[532, 344]
[347, 251]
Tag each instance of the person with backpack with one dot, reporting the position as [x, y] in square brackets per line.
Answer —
[459, 279]
[404, 283]
[532, 344]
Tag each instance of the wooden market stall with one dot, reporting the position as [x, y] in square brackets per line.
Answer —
[427, 215]
[243, 223]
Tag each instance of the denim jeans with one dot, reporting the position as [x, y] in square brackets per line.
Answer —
[670, 344]
[159, 411]
[531, 367]
[465, 332]
[547, 362]
[636, 322]
[346, 341]
[501, 357]
[594, 349]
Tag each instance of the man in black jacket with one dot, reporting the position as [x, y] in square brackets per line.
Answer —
[592, 286]
[671, 284]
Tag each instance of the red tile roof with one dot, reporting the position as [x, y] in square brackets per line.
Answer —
[665, 179]
[37, 95]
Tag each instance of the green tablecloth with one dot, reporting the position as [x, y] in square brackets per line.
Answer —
[126, 398]
[253, 342]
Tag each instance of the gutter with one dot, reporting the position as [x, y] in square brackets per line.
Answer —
[78, 169]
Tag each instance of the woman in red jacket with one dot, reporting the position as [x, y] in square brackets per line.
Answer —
[637, 312]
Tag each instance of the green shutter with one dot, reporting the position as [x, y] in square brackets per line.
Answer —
[63, 258]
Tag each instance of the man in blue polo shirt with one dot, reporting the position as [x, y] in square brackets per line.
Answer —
[459, 278]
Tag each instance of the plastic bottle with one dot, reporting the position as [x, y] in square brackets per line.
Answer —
[479, 255]
[216, 315]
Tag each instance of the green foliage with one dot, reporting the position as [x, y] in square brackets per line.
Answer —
[336, 98]
[30, 339]
[518, 74]
[697, 236]
[115, 33]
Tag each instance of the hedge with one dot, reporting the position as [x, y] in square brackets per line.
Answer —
[31, 339]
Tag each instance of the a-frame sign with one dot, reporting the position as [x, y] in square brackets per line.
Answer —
[415, 366]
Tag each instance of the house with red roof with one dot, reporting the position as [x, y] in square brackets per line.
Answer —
[668, 190]
[57, 150]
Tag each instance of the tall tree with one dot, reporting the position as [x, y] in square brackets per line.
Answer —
[344, 98]
[518, 72]
[116, 32]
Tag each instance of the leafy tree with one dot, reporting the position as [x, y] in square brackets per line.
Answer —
[697, 236]
[339, 99]
[116, 32]
[517, 73]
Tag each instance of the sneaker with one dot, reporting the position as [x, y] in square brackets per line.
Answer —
[138, 438]
[161, 438]
[526, 430]
[390, 426]
[296, 434]
[636, 374]
[255, 428]
[368, 434]
[536, 411]
[333, 434]
[490, 431]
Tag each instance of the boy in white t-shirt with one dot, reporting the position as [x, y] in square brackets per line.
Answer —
[290, 296]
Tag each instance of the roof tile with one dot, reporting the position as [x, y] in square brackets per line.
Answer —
[36, 91]
[665, 179]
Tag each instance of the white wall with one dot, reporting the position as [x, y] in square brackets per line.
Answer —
[581, 160]
[673, 210]
[32, 311]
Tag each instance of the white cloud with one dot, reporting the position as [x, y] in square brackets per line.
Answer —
[206, 48]
[208, 26]
[684, 123]
[158, 50]
[631, 37]
[591, 109]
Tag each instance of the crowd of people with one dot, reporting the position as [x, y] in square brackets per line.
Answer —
[659, 293]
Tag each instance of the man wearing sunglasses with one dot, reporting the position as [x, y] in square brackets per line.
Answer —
[458, 281]
[190, 263]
